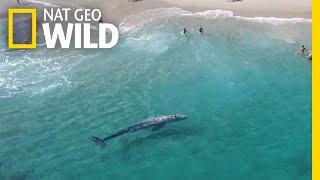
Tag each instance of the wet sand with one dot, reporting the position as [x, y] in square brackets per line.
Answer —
[115, 10]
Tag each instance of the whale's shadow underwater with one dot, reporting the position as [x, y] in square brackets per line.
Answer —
[172, 133]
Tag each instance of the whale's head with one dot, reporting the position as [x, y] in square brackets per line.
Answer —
[179, 117]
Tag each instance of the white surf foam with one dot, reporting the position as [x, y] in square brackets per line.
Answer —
[132, 22]
[222, 14]
[46, 4]
[41, 3]
[275, 21]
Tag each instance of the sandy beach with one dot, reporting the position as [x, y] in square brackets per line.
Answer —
[115, 10]
[253, 8]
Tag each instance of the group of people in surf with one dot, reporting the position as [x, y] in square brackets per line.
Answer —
[304, 52]
[184, 30]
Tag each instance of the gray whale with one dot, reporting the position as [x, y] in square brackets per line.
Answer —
[154, 123]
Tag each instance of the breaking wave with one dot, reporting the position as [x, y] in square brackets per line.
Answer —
[153, 15]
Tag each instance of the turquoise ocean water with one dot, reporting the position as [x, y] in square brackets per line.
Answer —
[245, 91]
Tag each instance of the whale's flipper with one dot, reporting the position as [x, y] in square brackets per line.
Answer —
[99, 142]
[156, 128]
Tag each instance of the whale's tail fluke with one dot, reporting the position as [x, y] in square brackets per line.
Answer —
[99, 142]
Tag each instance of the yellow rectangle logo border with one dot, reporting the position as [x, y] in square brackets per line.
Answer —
[315, 91]
[33, 13]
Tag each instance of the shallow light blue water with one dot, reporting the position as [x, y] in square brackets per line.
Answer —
[246, 92]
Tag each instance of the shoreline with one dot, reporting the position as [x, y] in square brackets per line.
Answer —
[115, 11]
[252, 8]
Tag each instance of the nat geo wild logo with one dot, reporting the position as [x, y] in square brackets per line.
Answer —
[72, 28]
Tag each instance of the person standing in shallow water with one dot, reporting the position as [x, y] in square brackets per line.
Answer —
[184, 31]
[310, 56]
[302, 50]
[201, 30]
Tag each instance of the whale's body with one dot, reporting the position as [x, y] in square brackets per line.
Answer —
[155, 123]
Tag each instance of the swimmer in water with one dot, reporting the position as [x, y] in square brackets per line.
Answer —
[310, 56]
[184, 31]
[201, 30]
[302, 50]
